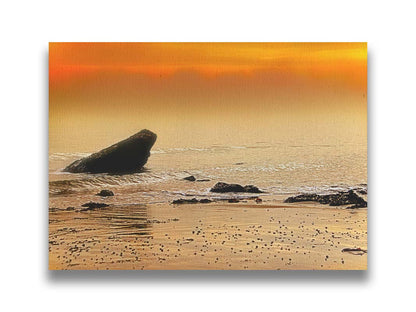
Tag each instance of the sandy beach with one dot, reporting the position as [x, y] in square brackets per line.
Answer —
[215, 236]
[211, 156]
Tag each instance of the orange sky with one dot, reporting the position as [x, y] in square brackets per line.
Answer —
[149, 83]
[84, 69]
[69, 60]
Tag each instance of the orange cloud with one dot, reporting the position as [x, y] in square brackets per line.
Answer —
[71, 60]
[179, 78]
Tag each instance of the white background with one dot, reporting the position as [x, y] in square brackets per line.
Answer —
[26, 27]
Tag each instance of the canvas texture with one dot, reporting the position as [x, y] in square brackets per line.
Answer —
[207, 156]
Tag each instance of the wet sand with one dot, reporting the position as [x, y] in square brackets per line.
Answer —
[216, 236]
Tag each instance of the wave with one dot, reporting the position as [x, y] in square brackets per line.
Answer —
[276, 175]
[213, 148]
[321, 190]
[81, 182]
[65, 156]
[177, 186]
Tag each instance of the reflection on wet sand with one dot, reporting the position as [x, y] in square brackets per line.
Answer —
[97, 238]
[270, 236]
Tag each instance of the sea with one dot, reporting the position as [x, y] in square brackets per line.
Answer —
[279, 166]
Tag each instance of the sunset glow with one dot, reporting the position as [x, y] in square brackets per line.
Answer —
[72, 60]
[150, 84]
[200, 156]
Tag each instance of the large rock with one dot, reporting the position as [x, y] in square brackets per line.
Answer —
[222, 187]
[126, 156]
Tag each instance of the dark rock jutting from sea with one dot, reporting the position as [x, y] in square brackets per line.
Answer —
[190, 178]
[105, 193]
[193, 179]
[126, 156]
[191, 201]
[222, 187]
[341, 198]
[92, 206]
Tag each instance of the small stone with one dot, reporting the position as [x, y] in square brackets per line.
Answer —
[185, 201]
[190, 178]
[92, 206]
[105, 193]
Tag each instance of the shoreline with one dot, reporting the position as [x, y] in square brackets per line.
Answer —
[212, 236]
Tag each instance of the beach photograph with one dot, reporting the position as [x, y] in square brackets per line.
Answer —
[207, 156]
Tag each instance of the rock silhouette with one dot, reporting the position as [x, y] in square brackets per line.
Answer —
[191, 201]
[93, 205]
[126, 156]
[341, 198]
[222, 187]
[190, 178]
[105, 193]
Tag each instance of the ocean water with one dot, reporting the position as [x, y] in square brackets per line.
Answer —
[279, 167]
[141, 229]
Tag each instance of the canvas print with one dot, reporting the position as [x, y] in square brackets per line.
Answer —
[207, 156]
